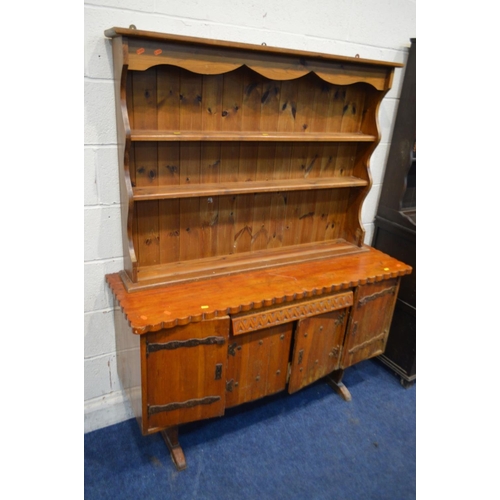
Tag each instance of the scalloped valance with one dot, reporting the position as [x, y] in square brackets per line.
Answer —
[147, 49]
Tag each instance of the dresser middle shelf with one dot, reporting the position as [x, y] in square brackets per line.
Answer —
[229, 188]
[137, 135]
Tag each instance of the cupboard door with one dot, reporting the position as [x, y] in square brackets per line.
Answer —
[257, 364]
[370, 321]
[186, 373]
[317, 348]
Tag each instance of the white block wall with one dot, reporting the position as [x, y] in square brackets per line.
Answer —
[374, 29]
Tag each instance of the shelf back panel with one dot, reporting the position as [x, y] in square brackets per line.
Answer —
[171, 98]
[158, 164]
[169, 231]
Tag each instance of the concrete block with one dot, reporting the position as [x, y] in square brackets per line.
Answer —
[102, 233]
[99, 113]
[370, 205]
[378, 162]
[97, 294]
[99, 333]
[108, 184]
[385, 23]
[90, 196]
[386, 117]
[369, 231]
[106, 410]
[97, 376]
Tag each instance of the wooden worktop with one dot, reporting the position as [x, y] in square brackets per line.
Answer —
[179, 304]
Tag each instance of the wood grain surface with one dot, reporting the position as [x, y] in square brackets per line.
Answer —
[168, 306]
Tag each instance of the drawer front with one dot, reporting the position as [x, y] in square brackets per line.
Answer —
[317, 348]
[257, 364]
[277, 315]
[185, 370]
[370, 321]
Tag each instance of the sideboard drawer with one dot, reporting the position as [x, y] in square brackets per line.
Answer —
[285, 313]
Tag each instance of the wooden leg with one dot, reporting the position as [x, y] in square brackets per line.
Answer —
[171, 437]
[335, 382]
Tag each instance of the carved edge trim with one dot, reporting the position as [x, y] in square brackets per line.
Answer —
[261, 320]
[140, 329]
[146, 53]
[279, 74]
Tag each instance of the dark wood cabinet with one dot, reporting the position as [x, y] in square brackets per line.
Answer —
[243, 171]
[396, 226]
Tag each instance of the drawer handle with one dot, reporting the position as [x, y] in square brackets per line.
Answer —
[154, 409]
[175, 344]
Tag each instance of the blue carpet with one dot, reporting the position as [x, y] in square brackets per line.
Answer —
[310, 445]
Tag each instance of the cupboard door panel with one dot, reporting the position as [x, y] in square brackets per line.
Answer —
[317, 348]
[257, 364]
[370, 321]
[185, 373]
